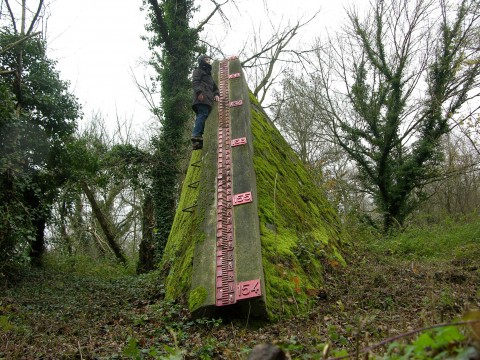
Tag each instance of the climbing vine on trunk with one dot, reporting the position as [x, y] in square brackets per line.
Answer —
[173, 44]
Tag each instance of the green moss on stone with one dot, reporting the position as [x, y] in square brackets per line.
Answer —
[178, 257]
[298, 226]
[188, 229]
[197, 298]
[299, 229]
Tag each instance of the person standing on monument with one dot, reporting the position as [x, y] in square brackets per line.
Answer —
[205, 92]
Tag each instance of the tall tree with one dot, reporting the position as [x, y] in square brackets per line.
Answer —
[33, 132]
[298, 113]
[393, 82]
[174, 43]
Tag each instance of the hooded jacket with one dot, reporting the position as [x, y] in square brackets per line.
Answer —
[203, 83]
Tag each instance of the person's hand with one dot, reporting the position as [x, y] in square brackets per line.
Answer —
[200, 97]
[217, 98]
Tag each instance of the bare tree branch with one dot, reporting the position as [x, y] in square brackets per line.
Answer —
[266, 58]
[214, 11]
[146, 93]
[14, 23]
[34, 20]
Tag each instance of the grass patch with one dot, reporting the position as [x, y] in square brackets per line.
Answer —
[87, 266]
[451, 240]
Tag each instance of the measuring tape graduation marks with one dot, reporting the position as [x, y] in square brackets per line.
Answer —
[227, 290]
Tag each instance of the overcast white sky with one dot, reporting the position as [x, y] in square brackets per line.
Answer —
[96, 42]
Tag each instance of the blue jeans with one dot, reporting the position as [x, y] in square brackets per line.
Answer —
[202, 114]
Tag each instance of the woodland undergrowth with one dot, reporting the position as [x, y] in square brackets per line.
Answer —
[376, 307]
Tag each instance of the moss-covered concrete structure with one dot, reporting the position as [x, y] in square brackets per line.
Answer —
[281, 238]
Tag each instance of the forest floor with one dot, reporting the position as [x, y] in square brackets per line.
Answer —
[55, 313]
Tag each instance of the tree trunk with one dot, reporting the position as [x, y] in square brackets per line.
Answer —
[63, 228]
[177, 41]
[104, 223]
[147, 245]
[78, 225]
[38, 245]
[7, 242]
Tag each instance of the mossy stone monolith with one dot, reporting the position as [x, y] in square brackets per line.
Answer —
[282, 237]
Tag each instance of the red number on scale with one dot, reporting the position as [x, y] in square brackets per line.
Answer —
[248, 289]
[236, 103]
[242, 198]
[239, 141]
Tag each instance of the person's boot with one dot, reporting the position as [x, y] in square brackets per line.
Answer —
[197, 142]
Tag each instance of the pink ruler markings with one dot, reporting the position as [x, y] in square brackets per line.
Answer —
[227, 291]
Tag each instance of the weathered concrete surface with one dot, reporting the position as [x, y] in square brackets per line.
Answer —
[248, 250]
[204, 261]
[247, 246]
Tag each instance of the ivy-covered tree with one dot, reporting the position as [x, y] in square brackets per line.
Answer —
[392, 85]
[174, 43]
[38, 117]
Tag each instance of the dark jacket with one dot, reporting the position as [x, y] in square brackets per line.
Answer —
[203, 83]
